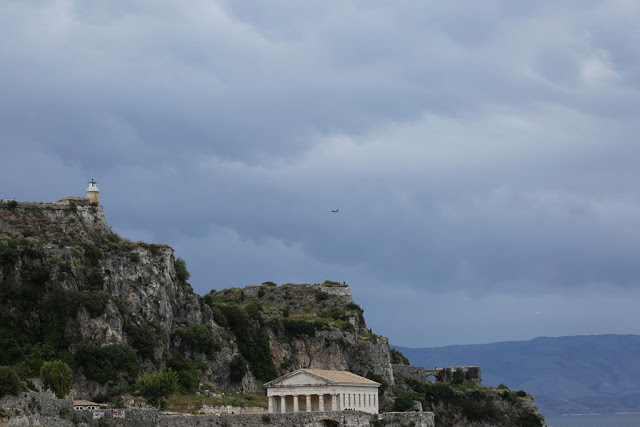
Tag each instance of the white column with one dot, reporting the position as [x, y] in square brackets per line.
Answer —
[334, 402]
[271, 402]
[321, 402]
[308, 403]
[295, 404]
[283, 405]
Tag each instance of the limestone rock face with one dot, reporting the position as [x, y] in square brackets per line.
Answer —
[116, 285]
[71, 289]
[314, 326]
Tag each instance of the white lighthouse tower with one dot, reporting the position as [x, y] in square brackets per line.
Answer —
[92, 192]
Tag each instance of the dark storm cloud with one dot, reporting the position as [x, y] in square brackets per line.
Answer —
[476, 150]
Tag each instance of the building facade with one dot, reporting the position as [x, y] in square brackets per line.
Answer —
[317, 390]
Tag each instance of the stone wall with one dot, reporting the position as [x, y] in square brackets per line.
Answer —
[472, 374]
[37, 409]
[416, 373]
[40, 409]
[206, 409]
[338, 290]
[313, 419]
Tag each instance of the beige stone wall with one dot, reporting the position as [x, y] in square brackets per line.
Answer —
[93, 197]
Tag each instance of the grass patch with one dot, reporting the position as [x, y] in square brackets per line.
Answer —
[189, 404]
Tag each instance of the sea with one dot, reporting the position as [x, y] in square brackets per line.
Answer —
[594, 420]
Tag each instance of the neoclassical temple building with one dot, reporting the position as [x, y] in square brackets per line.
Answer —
[316, 390]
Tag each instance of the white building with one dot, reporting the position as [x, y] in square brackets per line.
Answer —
[311, 390]
[85, 405]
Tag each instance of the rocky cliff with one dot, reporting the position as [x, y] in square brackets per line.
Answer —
[72, 289]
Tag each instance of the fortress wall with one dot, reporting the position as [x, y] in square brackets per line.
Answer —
[472, 374]
[308, 419]
[417, 373]
[34, 409]
[339, 290]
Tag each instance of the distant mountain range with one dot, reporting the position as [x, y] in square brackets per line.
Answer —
[566, 375]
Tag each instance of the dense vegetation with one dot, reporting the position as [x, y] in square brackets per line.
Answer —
[9, 381]
[460, 403]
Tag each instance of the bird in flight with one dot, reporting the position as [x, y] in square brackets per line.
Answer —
[335, 211]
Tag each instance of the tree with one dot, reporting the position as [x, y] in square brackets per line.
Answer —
[155, 387]
[181, 270]
[458, 377]
[9, 381]
[57, 377]
[239, 368]
[405, 402]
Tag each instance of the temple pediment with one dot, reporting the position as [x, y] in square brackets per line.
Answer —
[297, 378]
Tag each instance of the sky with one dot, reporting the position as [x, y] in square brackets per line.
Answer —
[483, 155]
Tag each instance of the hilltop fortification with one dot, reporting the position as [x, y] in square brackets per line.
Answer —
[71, 289]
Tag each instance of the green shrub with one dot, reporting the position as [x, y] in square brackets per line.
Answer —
[180, 266]
[502, 387]
[404, 402]
[398, 358]
[521, 393]
[198, 338]
[509, 396]
[36, 273]
[218, 316]
[94, 301]
[254, 309]
[92, 254]
[239, 368]
[56, 376]
[302, 327]
[95, 278]
[12, 204]
[269, 284]
[9, 381]
[158, 386]
[188, 371]
[154, 249]
[321, 296]
[253, 343]
[458, 377]
[478, 406]
[144, 338]
[10, 351]
[108, 364]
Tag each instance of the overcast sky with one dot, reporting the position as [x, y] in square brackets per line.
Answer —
[483, 154]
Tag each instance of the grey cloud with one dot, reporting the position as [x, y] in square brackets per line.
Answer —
[473, 149]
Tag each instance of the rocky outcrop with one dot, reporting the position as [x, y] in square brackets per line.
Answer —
[486, 408]
[113, 291]
[71, 289]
